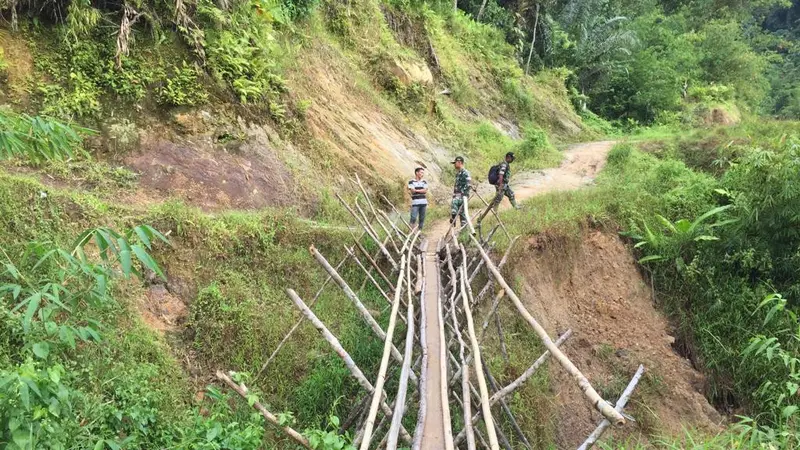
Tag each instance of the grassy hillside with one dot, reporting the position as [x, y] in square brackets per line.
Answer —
[228, 128]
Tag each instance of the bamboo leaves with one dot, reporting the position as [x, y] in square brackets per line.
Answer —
[38, 139]
[45, 284]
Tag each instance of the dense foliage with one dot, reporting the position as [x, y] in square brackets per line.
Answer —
[651, 60]
[723, 253]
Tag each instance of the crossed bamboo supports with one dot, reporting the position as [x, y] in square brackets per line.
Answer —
[466, 359]
[395, 271]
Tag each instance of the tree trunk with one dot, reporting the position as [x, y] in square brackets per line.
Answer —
[533, 41]
[480, 11]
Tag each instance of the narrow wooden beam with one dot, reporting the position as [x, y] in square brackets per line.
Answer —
[373, 411]
[623, 400]
[348, 292]
[402, 389]
[423, 373]
[241, 389]
[346, 358]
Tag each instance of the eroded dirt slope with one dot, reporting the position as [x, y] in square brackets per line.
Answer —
[592, 286]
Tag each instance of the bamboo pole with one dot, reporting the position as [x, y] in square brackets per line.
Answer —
[465, 392]
[408, 225]
[366, 196]
[373, 263]
[369, 233]
[423, 373]
[420, 277]
[373, 411]
[346, 358]
[476, 356]
[509, 415]
[376, 255]
[348, 292]
[492, 312]
[354, 413]
[372, 229]
[503, 349]
[369, 275]
[511, 387]
[623, 400]
[299, 321]
[241, 389]
[471, 229]
[400, 398]
[397, 231]
[591, 394]
[502, 263]
[514, 385]
[501, 436]
[496, 216]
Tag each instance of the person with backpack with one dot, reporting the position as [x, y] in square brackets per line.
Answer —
[500, 176]
[418, 188]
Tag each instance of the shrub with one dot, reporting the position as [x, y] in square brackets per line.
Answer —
[535, 150]
[181, 88]
[241, 47]
[620, 154]
[81, 98]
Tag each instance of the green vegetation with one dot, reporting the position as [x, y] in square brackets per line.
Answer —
[712, 214]
[719, 242]
[37, 139]
[80, 368]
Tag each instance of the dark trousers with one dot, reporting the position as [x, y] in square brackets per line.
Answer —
[418, 212]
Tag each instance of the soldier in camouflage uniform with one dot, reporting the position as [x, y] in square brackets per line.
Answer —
[460, 191]
[503, 179]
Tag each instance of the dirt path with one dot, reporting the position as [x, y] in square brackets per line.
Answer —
[581, 163]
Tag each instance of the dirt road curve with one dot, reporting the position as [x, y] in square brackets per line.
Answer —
[581, 163]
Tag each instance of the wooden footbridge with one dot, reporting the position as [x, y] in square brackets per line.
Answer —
[432, 345]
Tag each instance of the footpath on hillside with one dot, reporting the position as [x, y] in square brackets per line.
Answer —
[581, 164]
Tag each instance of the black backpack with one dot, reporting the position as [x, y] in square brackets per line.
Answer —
[494, 174]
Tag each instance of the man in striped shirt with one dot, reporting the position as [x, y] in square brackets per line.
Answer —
[419, 203]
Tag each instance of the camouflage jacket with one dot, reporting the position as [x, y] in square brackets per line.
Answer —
[505, 171]
[462, 185]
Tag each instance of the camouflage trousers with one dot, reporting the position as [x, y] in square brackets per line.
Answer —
[456, 209]
[504, 191]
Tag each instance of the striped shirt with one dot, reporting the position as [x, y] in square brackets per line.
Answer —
[418, 199]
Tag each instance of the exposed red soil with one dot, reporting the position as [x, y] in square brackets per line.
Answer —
[594, 288]
[213, 179]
